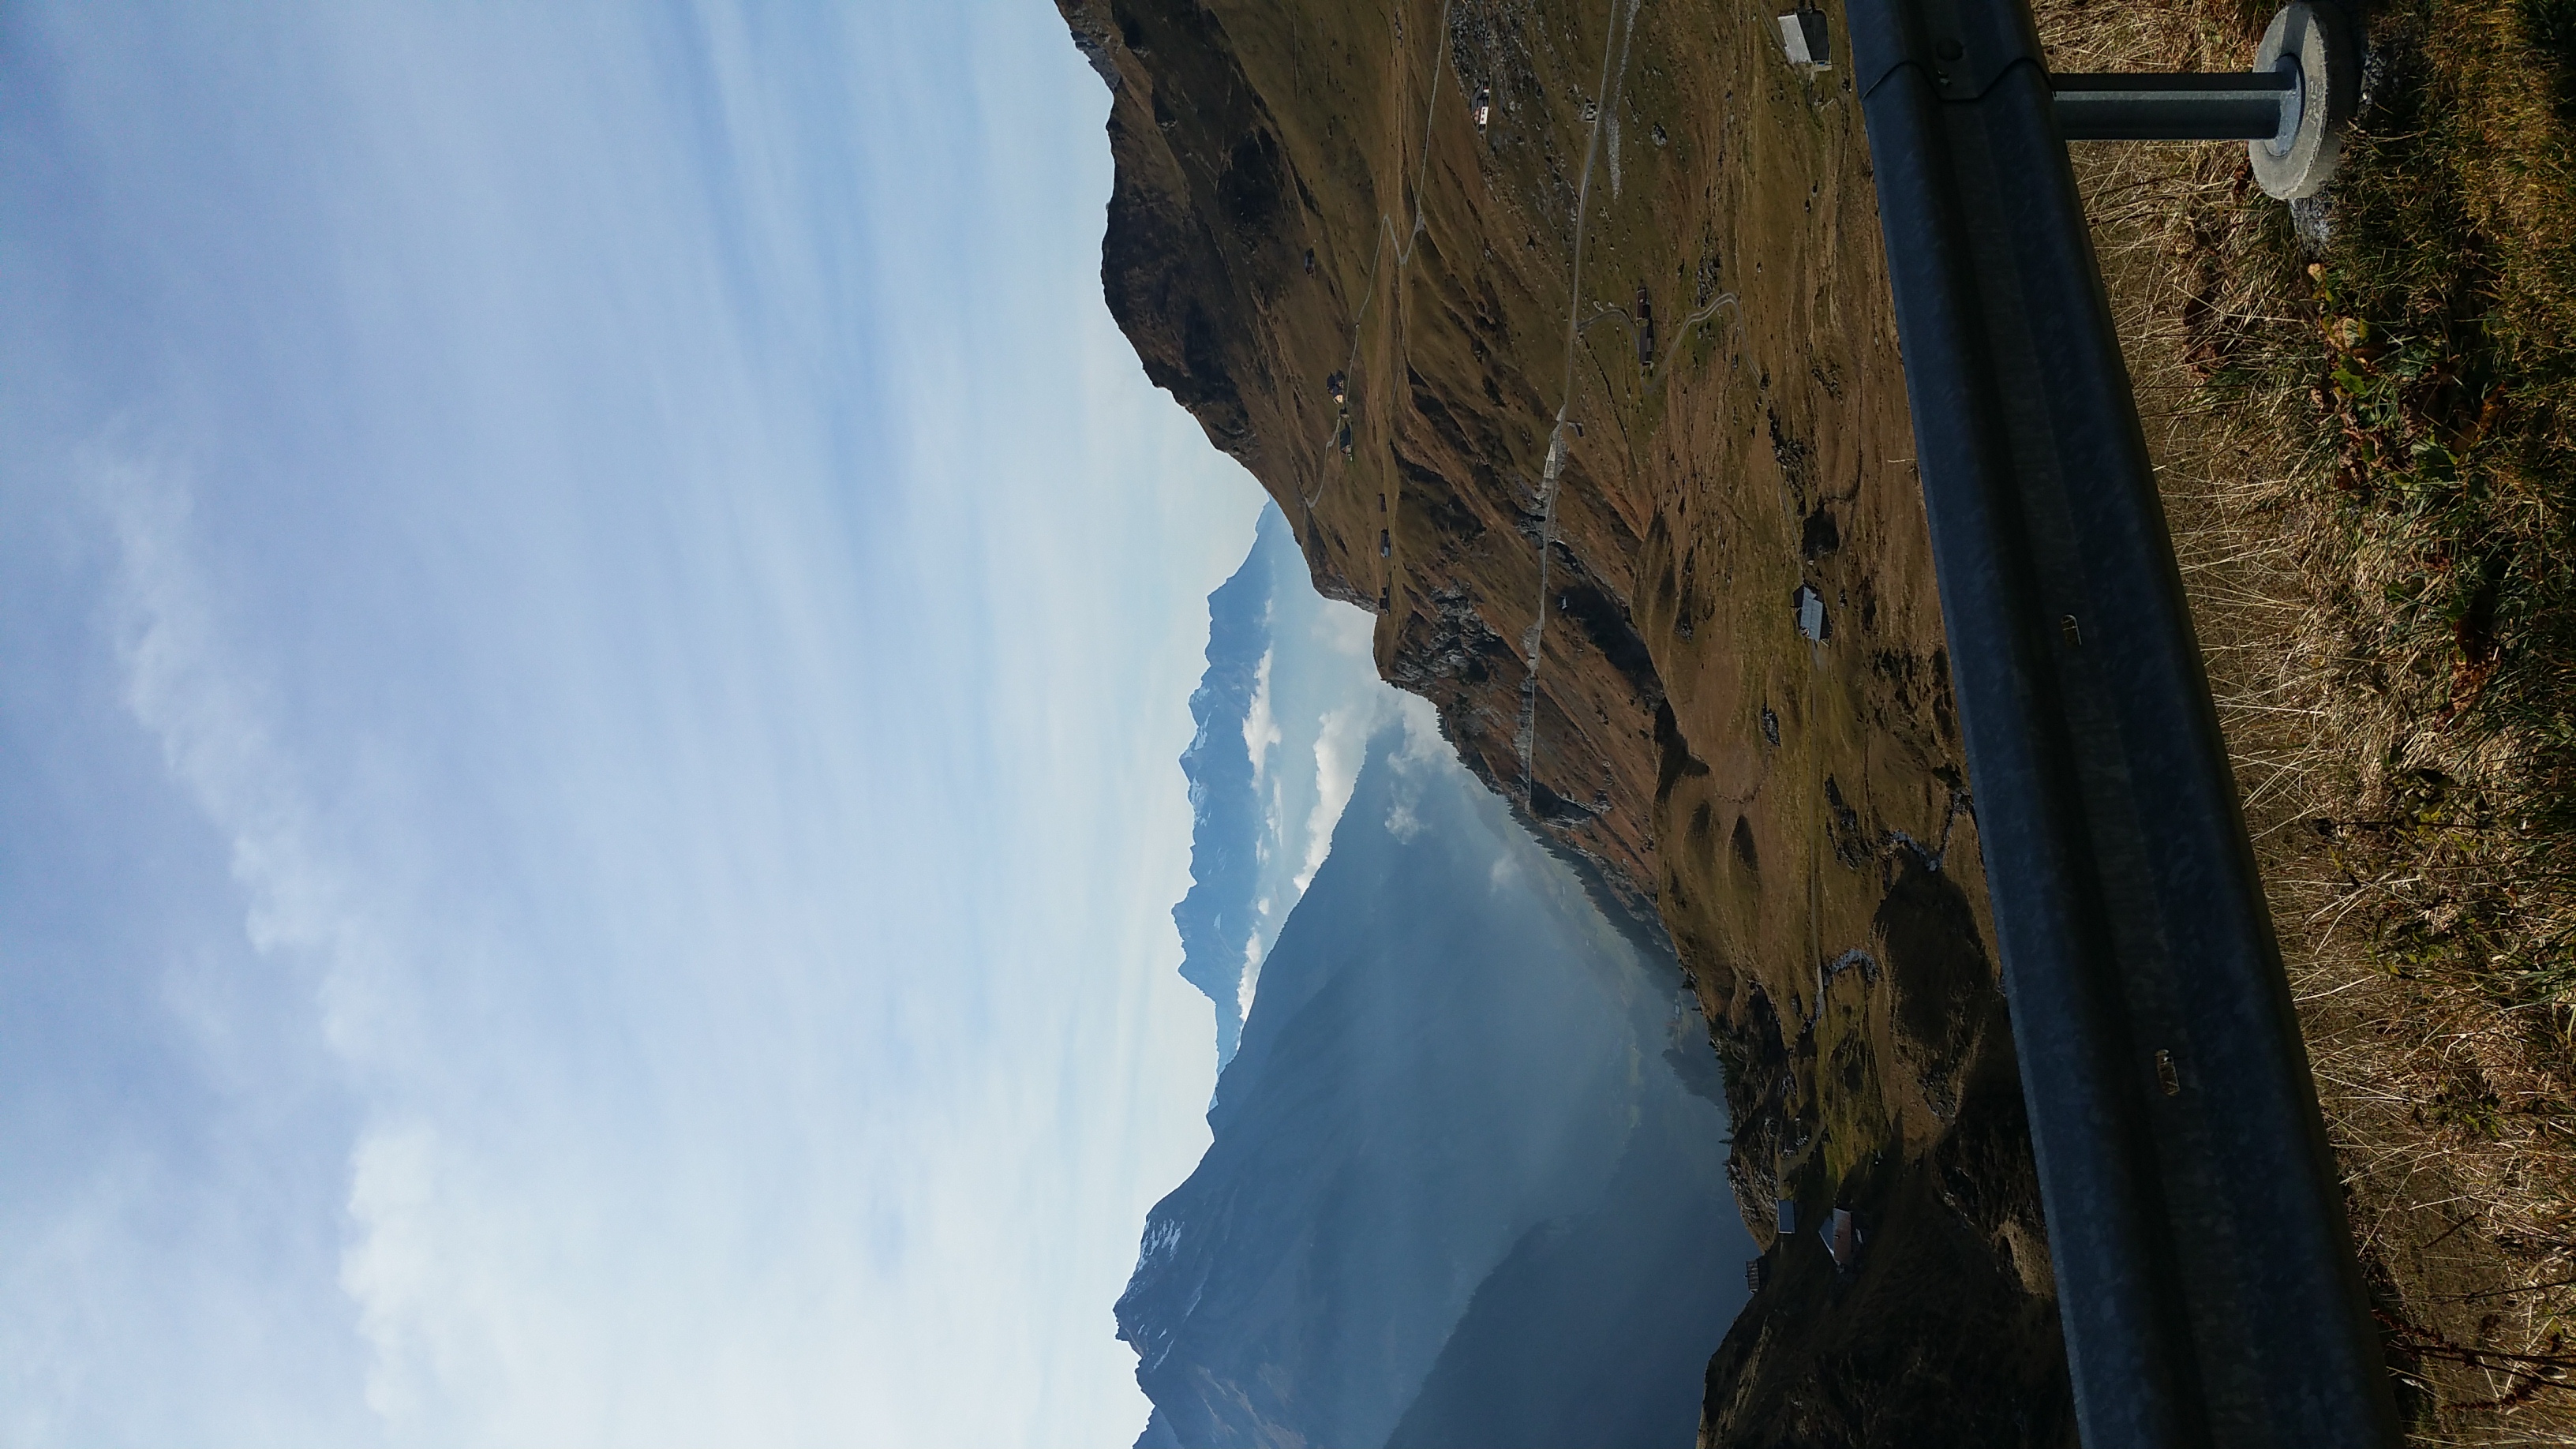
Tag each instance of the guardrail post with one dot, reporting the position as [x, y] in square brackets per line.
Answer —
[2206, 1279]
[2254, 106]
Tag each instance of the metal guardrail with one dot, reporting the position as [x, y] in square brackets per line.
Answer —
[2206, 1279]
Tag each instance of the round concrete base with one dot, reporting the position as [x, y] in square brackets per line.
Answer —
[2316, 42]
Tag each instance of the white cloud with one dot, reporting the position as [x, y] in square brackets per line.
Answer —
[1341, 747]
[1347, 631]
[1401, 820]
[1251, 978]
[211, 725]
[1420, 751]
[1260, 730]
[1423, 747]
[404, 1280]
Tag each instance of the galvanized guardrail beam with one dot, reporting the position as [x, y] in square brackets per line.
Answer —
[2206, 1279]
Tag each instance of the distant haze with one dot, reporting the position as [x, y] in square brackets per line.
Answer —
[1468, 1179]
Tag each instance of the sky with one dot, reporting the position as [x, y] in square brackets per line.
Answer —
[595, 622]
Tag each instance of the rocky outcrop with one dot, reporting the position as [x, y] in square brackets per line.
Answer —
[1669, 588]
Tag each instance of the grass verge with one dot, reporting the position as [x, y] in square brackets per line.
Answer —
[2362, 415]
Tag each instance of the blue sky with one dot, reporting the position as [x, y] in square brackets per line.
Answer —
[594, 627]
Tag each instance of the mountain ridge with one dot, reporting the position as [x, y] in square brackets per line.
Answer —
[1216, 918]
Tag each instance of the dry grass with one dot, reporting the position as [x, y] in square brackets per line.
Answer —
[2371, 475]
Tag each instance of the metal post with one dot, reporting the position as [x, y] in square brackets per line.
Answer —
[2253, 106]
[2206, 1280]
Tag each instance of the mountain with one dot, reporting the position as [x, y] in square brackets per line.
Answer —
[1592, 400]
[1219, 919]
[1455, 1144]
[1284, 713]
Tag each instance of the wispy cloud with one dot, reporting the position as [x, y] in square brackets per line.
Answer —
[301, 907]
